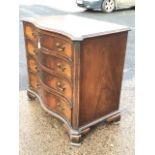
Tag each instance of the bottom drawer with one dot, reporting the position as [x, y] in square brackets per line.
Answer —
[57, 104]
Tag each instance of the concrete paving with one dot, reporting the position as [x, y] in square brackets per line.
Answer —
[42, 134]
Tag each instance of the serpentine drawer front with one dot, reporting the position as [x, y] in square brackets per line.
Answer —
[57, 104]
[57, 83]
[56, 64]
[61, 46]
[75, 70]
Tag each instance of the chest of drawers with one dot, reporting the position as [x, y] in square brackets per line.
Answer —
[75, 68]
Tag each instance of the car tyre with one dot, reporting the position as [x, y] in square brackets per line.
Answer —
[108, 6]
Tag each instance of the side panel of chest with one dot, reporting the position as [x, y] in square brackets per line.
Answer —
[101, 68]
[31, 44]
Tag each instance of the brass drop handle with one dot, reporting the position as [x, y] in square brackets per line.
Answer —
[61, 66]
[60, 47]
[58, 44]
[38, 85]
[36, 68]
[59, 85]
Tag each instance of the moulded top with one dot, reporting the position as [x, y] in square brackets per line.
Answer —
[76, 27]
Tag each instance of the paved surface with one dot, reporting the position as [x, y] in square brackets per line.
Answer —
[42, 134]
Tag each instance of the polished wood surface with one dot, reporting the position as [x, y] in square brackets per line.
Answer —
[101, 75]
[56, 64]
[32, 64]
[30, 48]
[75, 27]
[57, 44]
[29, 30]
[77, 81]
[59, 84]
[33, 81]
[57, 104]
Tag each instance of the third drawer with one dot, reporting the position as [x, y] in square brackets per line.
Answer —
[57, 83]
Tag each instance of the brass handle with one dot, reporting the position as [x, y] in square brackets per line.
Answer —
[61, 66]
[38, 85]
[60, 47]
[58, 44]
[59, 86]
[36, 68]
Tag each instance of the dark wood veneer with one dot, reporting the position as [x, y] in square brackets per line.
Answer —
[78, 80]
[101, 75]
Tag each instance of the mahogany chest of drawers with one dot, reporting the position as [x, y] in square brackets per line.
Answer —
[75, 68]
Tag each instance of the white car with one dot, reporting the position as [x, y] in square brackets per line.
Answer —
[106, 5]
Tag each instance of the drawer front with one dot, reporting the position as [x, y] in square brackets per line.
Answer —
[31, 49]
[57, 104]
[59, 84]
[29, 31]
[57, 44]
[56, 64]
[32, 64]
[63, 47]
[33, 81]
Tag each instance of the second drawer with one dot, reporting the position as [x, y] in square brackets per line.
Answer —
[56, 64]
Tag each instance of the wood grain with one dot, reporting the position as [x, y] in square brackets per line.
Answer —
[56, 64]
[75, 27]
[33, 81]
[29, 31]
[57, 83]
[30, 47]
[56, 44]
[102, 60]
[77, 77]
[57, 104]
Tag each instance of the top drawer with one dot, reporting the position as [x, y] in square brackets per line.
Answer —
[63, 47]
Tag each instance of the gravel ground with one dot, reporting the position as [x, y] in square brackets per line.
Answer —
[42, 134]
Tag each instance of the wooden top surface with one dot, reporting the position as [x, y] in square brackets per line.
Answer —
[75, 27]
